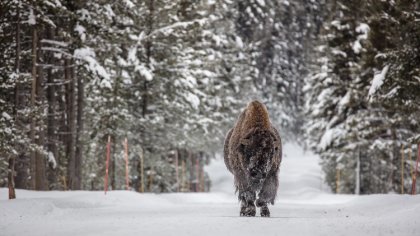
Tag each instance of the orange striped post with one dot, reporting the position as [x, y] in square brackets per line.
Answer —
[176, 170]
[142, 172]
[108, 152]
[63, 178]
[402, 169]
[151, 179]
[411, 160]
[337, 184]
[183, 176]
[127, 184]
[202, 185]
[413, 187]
[191, 172]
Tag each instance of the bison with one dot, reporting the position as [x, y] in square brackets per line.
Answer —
[252, 153]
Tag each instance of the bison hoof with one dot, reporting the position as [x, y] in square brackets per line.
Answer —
[265, 212]
[248, 211]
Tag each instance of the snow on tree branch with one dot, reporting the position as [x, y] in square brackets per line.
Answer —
[88, 55]
[377, 81]
[174, 26]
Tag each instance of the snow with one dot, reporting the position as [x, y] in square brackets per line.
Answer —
[109, 12]
[345, 100]
[54, 42]
[363, 30]
[84, 15]
[329, 136]
[357, 47]
[304, 207]
[132, 54]
[335, 51]
[169, 28]
[6, 115]
[129, 3]
[51, 159]
[192, 99]
[88, 55]
[190, 82]
[261, 2]
[239, 42]
[7, 130]
[31, 17]
[378, 80]
[53, 4]
[145, 72]
[105, 83]
[81, 31]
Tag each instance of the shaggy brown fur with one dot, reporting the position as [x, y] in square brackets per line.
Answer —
[252, 153]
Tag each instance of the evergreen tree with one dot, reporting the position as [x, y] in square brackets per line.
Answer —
[357, 129]
[333, 100]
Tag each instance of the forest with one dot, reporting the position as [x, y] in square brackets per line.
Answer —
[340, 77]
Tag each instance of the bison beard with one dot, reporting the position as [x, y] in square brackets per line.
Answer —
[252, 153]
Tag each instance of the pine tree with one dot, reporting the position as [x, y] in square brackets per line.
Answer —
[394, 86]
[354, 123]
[333, 99]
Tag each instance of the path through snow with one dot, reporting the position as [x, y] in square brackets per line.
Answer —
[304, 207]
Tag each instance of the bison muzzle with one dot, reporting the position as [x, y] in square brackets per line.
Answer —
[252, 153]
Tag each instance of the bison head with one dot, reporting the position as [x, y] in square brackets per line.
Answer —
[257, 149]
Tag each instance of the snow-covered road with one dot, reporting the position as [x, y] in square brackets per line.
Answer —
[304, 207]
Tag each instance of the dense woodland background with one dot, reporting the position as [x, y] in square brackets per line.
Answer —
[341, 77]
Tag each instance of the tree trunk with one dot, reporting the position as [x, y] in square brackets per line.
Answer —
[148, 46]
[53, 177]
[10, 178]
[357, 187]
[33, 99]
[114, 125]
[71, 125]
[11, 167]
[63, 129]
[113, 166]
[79, 145]
[40, 162]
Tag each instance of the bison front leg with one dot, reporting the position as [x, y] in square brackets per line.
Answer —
[247, 198]
[267, 194]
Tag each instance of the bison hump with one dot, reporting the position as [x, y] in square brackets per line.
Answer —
[256, 115]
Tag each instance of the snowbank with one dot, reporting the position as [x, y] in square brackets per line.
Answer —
[304, 207]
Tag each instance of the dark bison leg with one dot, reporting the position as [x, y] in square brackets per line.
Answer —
[265, 212]
[268, 194]
[247, 199]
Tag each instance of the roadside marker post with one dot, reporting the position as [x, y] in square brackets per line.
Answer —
[127, 184]
[413, 187]
[176, 170]
[402, 169]
[108, 151]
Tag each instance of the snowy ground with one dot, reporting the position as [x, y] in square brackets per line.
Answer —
[304, 207]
